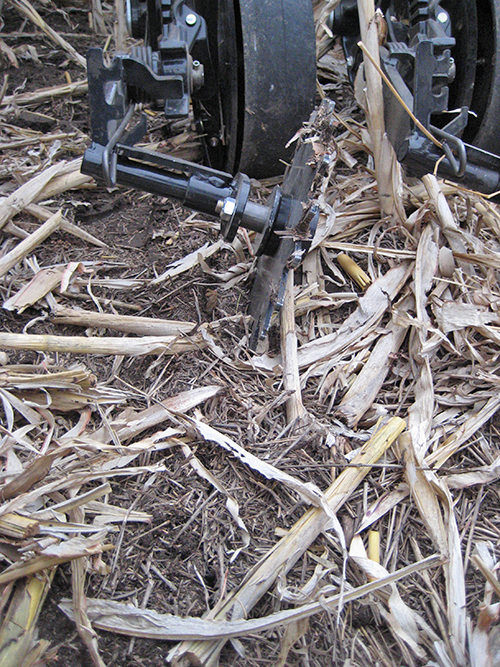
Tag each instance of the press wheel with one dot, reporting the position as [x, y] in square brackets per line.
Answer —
[264, 56]
[476, 28]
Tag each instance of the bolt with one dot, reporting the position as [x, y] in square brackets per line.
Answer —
[198, 75]
[452, 71]
[191, 19]
[227, 210]
[442, 17]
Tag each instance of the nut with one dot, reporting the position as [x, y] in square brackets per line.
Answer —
[228, 209]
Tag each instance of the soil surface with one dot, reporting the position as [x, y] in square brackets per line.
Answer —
[181, 561]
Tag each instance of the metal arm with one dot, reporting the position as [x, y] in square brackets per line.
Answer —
[417, 59]
[165, 74]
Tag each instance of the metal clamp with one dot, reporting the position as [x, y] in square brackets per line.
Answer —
[109, 157]
[449, 141]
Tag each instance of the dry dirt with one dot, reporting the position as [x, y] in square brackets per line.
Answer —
[179, 563]
[180, 559]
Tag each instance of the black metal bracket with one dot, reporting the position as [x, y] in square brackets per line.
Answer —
[285, 225]
[167, 74]
[429, 46]
[417, 60]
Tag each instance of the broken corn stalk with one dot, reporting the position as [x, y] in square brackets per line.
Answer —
[19, 624]
[17, 526]
[354, 270]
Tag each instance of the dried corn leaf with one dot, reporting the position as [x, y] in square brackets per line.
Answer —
[372, 307]
[129, 424]
[453, 316]
[231, 504]
[287, 552]
[452, 443]
[308, 492]
[189, 261]
[75, 547]
[388, 171]
[38, 287]
[366, 386]
[403, 621]
[126, 619]
[27, 9]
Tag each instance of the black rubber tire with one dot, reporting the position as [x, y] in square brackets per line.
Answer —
[264, 52]
[476, 28]
[485, 132]
[280, 79]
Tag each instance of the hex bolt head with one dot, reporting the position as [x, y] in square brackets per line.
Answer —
[191, 19]
[227, 209]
